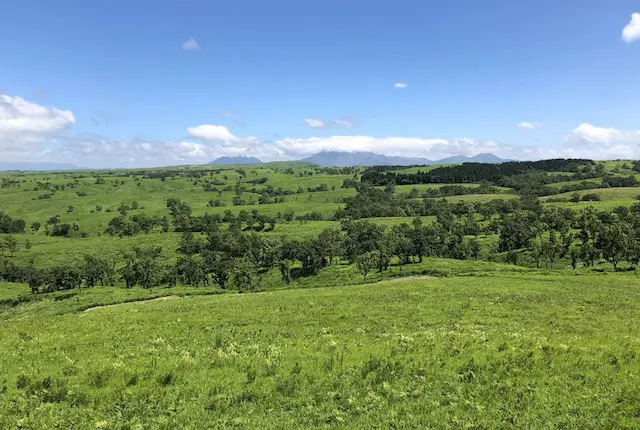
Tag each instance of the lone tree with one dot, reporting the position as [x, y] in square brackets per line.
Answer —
[366, 262]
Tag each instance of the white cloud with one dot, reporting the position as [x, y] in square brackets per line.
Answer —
[212, 133]
[631, 32]
[343, 123]
[96, 151]
[314, 123]
[400, 85]
[588, 133]
[321, 124]
[190, 45]
[525, 125]
[403, 146]
[20, 116]
[23, 123]
[32, 132]
[188, 150]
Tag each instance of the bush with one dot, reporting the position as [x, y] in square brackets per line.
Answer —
[592, 197]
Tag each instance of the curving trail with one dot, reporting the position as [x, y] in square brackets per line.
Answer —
[164, 298]
[157, 299]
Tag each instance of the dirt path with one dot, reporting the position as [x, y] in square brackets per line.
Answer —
[157, 299]
[406, 278]
[165, 298]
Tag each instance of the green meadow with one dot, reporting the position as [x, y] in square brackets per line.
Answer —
[501, 351]
[491, 339]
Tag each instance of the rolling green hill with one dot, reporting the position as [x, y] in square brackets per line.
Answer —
[285, 295]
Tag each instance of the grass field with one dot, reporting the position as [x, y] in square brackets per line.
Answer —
[83, 193]
[523, 351]
[443, 343]
[607, 194]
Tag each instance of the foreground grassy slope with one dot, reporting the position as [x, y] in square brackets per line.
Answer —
[523, 351]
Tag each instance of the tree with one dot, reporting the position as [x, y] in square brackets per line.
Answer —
[310, 254]
[142, 267]
[365, 262]
[288, 215]
[574, 255]
[9, 244]
[516, 230]
[588, 253]
[613, 243]
[420, 238]
[63, 278]
[474, 248]
[220, 266]
[244, 274]
[471, 226]
[97, 269]
[402, 244]
[551, 247]
[330, 242]
[35, 226]
[284, 265]
[191, 270]
[361, 237]
[536, 248]
[190, 245]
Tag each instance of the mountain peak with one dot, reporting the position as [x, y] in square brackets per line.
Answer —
[366, 158]
[225, 160]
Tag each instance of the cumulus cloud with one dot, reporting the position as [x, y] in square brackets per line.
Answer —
[321, 124]
[400, 85]
[98, 151]
[20, 116]
[212, 133]
[631, 32]
[588, 133]
[23, 123]
[33, 132]
[403, 146]
[190, 45]
[525, 125]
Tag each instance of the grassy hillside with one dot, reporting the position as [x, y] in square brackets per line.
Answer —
[451, 337]
[525, 351]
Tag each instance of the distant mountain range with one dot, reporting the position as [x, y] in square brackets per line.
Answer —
[343, 159]
[38, 166]
[235, 160]
[324, 159]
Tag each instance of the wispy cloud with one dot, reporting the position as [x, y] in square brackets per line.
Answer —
[631, 32]
[400, 85]
[322, 124]
[314, 123]
[190, 45]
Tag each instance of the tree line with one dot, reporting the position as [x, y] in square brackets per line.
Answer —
[475, 172]
[232, 258]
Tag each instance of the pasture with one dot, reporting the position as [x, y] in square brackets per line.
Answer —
[524, 351]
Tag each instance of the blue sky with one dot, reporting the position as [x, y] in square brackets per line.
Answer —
[127, 83]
